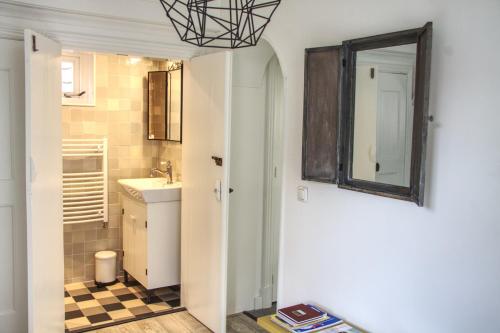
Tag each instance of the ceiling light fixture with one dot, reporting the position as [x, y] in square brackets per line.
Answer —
[220, 23]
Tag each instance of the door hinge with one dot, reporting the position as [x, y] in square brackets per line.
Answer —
[123, 255]
[372, 73]
[146, 271]
[217, 160]
[33, 43]
[123, 211]
[146, 224]
[344, 62]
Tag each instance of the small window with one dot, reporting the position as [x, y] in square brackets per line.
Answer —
[77, 79]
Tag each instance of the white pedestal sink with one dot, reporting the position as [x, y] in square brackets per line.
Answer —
[151, 231]
[152, 189]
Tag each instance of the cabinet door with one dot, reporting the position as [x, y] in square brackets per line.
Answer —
[141, 241]
[128, 238]
[135, 239]
[321, 110]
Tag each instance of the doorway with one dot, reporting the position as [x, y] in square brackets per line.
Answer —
[213, 90]
[255, 179]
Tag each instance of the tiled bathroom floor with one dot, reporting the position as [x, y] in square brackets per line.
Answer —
[88, 307]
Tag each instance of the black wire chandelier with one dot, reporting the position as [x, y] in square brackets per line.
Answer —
[220, 23]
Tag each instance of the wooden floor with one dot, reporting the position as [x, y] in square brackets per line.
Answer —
[240, 323]
[182, 322]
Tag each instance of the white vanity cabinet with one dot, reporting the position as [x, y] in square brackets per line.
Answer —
[151, 242]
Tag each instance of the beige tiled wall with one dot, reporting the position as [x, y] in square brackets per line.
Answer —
[120, 115]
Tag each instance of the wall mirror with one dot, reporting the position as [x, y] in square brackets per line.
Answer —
[380, 98]
[383, 114]
[165, 104]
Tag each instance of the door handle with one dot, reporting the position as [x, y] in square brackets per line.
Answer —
[32, 170]
[133, 220]
[218, 190]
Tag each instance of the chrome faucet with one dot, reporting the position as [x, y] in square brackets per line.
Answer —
[167, 173]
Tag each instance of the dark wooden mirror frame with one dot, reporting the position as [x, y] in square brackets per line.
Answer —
[166, 138]
[415, 192]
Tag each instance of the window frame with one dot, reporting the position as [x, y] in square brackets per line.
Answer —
[84, 78]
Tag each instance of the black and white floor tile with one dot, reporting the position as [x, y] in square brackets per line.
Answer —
[89, 307]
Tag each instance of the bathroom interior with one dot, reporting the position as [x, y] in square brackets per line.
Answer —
[105, 139]
[122, 126]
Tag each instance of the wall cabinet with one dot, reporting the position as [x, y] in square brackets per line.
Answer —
[366, 114]
[151, 242]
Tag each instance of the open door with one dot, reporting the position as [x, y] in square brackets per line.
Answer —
[205, 174]
[44, 184]
[13, 296]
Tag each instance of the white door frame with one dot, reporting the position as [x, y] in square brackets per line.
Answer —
[273, 170]
[281, 168]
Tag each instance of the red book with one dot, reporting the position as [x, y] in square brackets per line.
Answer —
[300, 313]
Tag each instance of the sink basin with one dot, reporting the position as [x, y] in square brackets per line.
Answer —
[151, 190]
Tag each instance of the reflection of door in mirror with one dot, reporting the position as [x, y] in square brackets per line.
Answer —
[157, 100]
[174, 105]
[383, 120]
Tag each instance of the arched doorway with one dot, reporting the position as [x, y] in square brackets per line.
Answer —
[256, 178]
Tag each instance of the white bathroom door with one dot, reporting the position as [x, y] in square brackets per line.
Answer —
[44, 184]
[206, 119]
[392, 114]
[13, 296]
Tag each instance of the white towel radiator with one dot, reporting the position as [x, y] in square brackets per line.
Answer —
[85, 194]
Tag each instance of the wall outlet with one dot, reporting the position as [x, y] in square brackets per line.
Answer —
[302, 193]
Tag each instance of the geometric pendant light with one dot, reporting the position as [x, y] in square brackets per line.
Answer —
[220, 23]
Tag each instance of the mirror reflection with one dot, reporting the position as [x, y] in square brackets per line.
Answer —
[157, 87]
[383, 116]
[174, 107]
[165, 104]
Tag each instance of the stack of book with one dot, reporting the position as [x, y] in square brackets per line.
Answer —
[304, 318]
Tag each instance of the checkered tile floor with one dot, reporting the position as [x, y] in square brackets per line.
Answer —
[88, 307]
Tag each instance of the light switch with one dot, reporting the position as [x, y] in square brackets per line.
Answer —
[302, 193]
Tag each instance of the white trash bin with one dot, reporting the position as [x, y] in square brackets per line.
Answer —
[105, 267]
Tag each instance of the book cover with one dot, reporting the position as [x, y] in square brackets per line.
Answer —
[308, 328]
[294, 324]
[300, 313]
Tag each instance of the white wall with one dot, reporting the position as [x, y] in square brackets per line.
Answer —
[388, 265]
[246, 203]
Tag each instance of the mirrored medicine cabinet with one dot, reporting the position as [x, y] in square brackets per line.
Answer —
[366, 114]
[165, 104]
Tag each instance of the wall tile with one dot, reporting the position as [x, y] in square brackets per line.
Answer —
[78, 248]
[102, 233]
[90, 235]
[79, 236]
[101, 245]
